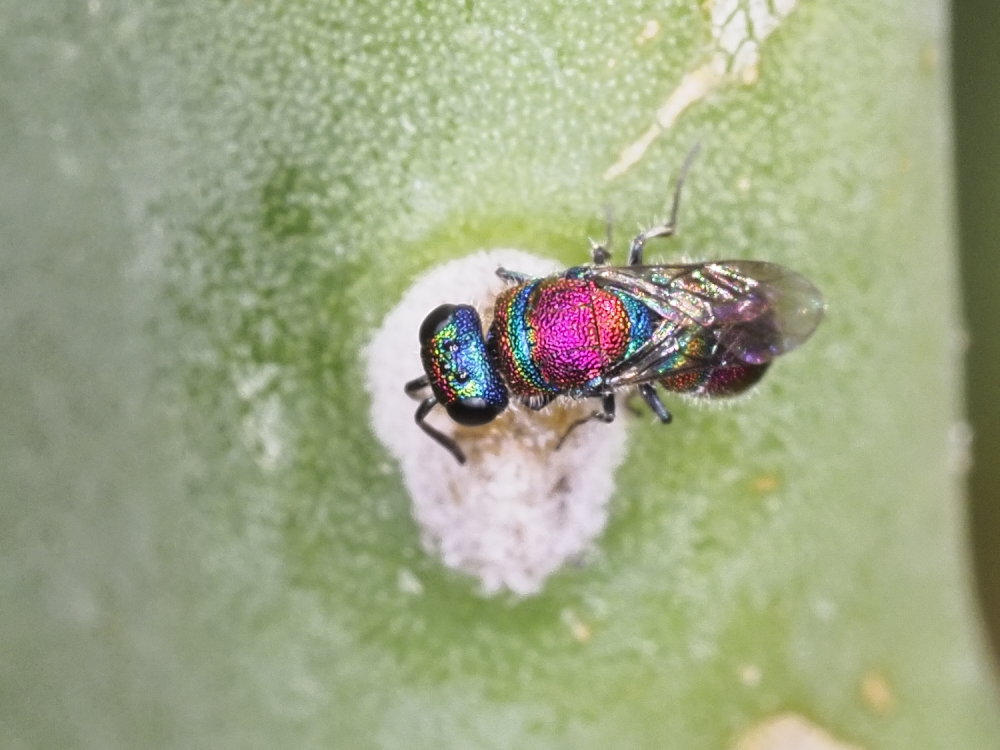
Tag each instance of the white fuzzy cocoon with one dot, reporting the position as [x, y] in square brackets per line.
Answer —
[518, 510]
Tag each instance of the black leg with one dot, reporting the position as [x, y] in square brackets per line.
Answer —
[600, 252]
[514, 277]
[443, 440]
[638, 243]
[606, 415]
[417, 384]
[653, 399]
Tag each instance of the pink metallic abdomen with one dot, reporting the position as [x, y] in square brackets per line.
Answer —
[580, 330]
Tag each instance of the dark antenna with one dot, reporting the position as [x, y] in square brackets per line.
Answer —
[425, 406]
[423, 410]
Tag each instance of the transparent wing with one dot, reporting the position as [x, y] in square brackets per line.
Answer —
[747, 311]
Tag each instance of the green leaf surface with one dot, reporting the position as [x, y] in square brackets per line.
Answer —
[209, 208]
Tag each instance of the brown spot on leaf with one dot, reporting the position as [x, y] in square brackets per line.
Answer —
[579, 629]
[765, 484]
[877, 693]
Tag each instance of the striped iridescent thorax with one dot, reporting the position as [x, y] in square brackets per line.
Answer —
[456, 362]
[558, 333]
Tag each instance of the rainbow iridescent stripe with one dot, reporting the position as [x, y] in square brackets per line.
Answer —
[562, 333]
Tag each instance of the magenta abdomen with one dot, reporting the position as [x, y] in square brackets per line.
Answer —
[556, 334]
[579, 331]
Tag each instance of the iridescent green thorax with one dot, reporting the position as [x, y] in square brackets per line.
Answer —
[559, 333]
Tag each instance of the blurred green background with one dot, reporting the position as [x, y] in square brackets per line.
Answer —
[976, 35]
[110, 448]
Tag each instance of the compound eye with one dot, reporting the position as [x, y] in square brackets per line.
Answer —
[436, 319]
[472, 412]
